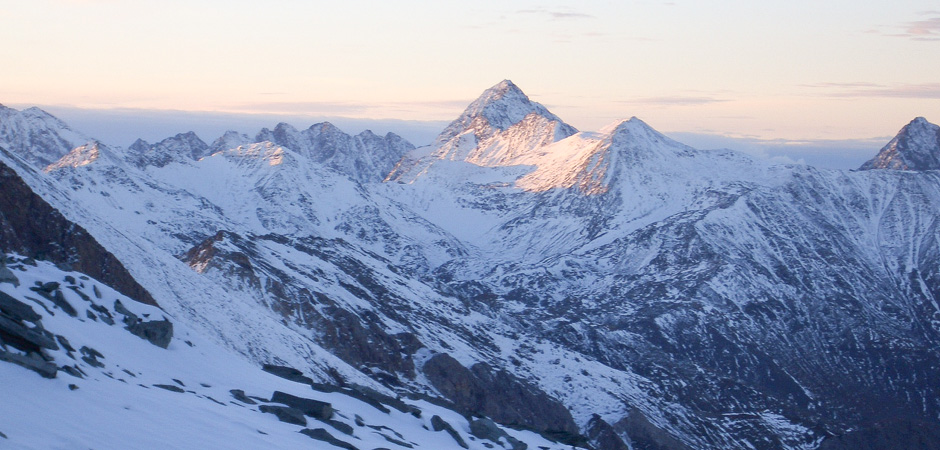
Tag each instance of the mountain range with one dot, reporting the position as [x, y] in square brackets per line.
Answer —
[528, 284]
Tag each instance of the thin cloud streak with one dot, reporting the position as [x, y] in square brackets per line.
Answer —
[676, 100]
[872, 90]
[556, 15]
[927, 30]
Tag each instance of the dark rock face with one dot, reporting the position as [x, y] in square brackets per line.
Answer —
[313, 408]
[603, 436]
[892, 434]
[646, 436]
[285, 414]
[499, 395]
[30, 227]
[486, 429]
[357, 338]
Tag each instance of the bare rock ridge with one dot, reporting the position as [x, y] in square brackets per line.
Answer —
[365, 157]
[916, 147]
[31, 227]
[182, 147]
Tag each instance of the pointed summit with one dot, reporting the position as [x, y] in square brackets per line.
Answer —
[916, 147]
[499, 108]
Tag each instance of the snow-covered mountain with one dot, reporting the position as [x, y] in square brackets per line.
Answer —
[916, 147]
[614, 289]
[37, 136]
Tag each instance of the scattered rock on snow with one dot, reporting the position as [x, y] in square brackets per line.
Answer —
[158, 332]
[170, 387]
[321, 434]
[285, 414]
[287, 373]
[240, 396]
[16, 309]
[32, 362]
[313, 408]
[438, 424]
[7, 276]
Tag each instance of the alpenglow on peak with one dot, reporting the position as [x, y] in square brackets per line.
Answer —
[501, 107]
[916, 147]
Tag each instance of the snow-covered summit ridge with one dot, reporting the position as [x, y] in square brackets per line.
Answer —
[183, 147]
[37, 136]
[501, 107]
[365, 157]
[916, 147]
[502, 127]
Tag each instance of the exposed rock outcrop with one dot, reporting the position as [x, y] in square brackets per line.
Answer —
[31, 227]
[497, 394]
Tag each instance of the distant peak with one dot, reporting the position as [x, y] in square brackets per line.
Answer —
[633, 124]
[497, 109]
[325, 127]
[916, 147]
[283, 126]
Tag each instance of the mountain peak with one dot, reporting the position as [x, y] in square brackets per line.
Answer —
[916, 147]
[37, 136]
[497, 109]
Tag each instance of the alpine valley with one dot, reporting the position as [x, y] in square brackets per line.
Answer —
[516, 284]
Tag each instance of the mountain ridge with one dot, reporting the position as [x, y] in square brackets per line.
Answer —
[667, 298]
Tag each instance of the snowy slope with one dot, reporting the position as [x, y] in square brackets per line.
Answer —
[665, 296]
[124, 392]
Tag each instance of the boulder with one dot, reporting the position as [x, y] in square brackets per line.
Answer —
[321, 434]
[7, 276]
[438, 424]
[32, 362]
[603, 436]
[340, 426]
[287, 373]
[285, 414]
[30, 340]
[499, 395]
[129, 317]
[313, 408]
[170, 387]
[240, 396]
[158, 332]
[16, 309]
[484, 428]
[59, 299]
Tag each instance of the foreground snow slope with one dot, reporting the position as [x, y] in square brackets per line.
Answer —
[115, 399]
